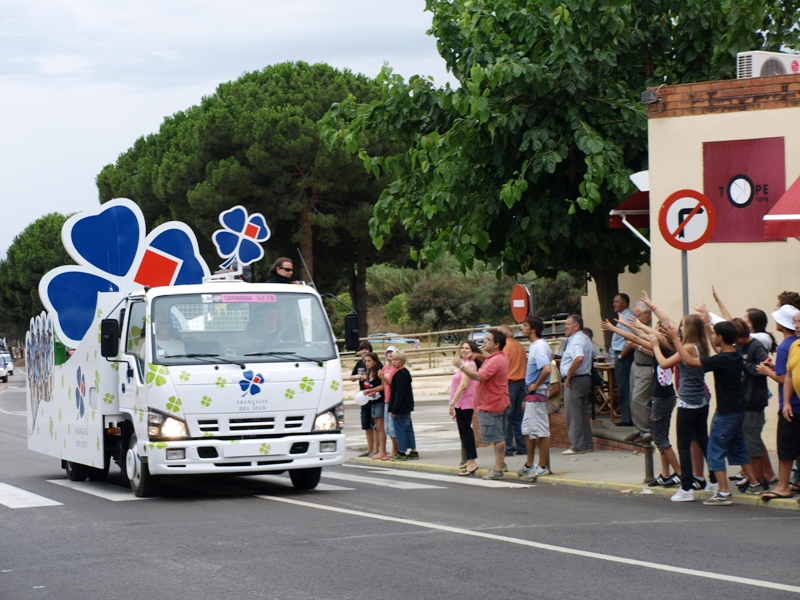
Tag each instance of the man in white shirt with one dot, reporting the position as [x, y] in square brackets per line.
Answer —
[576, 367]
[166, 345]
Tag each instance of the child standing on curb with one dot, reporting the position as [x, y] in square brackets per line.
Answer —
[401, 405]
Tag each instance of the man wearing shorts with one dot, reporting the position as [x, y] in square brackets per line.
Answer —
[535, 419]
[491, 397]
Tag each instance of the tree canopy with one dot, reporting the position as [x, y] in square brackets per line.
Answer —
[520, 165]
[34, 252]
[255, 142]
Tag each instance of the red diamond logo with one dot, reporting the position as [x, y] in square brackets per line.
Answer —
[156, 270]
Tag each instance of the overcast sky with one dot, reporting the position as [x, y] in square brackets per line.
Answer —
[80, 80]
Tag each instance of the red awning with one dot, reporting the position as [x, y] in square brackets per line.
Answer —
[636, 211]
[783, 220]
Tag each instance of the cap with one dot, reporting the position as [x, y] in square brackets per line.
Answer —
[394, 349]
[784, 316]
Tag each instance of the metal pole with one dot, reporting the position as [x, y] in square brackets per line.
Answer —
[685, 275]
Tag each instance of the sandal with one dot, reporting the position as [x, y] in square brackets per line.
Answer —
[773, 496]
[467, 472]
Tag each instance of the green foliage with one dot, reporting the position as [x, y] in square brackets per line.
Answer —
[255, 142]
[34, 252]
[396, 311]
[561, 294]
[442, 303]
[337, 312]
[386, 281]
[520, 165]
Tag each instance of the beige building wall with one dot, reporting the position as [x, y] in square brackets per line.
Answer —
[629, 283]
[744, 274]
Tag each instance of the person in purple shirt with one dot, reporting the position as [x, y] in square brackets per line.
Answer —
[784, 318]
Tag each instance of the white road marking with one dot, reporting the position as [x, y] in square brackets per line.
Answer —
[14, 413]
[399, 485]
[474, 481]
[106, 491]
[277, 479]
[549, 547]
[14, 497]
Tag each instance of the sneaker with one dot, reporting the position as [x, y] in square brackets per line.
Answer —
[683, 496]
[672, 481]
[764, 485]
[712, 487]
[363, 454]
[399, 458]
[524, 470]
[699, 483]
[660, 481]
[571, 451]
[755, 489]
[492, 474]
[719, 499]
[413, 455]
[505, 468]
[537, 471]
[745, 484]
[589, 450]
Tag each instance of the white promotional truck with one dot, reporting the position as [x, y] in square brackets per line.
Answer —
[216, 377]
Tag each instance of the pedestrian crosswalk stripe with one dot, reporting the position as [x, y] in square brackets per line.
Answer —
[445, 478]
[323, 487]
[14, 497]
[400, 485]
[103, 490]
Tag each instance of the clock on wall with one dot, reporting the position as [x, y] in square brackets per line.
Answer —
[740, 191]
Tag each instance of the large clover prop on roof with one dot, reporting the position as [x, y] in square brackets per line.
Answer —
[241, 237]
[113, 255]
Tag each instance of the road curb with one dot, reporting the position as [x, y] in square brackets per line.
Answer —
[415, 465]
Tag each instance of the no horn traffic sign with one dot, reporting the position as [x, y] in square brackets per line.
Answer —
[686, 219]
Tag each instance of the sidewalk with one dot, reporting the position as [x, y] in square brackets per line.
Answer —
[440, 452]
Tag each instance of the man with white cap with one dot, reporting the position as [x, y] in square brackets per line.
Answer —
[786, 318]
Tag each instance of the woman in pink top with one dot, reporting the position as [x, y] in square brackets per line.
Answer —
[386, 376]
[462, 405]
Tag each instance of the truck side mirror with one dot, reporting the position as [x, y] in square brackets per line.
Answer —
[351, 331]
[109, 338]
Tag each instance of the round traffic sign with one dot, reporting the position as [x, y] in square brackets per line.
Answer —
[686, 219]
[520, 302]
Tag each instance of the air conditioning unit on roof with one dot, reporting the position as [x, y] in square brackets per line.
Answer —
[766, 64]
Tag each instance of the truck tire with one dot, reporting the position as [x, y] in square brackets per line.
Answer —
[5, 379]
[143, 484]
[75, 471]
[305, 479]
[100, 474]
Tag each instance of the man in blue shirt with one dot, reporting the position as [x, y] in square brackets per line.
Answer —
[576, 367]
[623, 359]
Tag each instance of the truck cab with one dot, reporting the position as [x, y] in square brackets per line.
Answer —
[224, 377]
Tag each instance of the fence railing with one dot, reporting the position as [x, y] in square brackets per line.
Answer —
[442, 354]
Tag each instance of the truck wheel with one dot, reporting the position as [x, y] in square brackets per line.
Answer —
[143, 484]
[76, 472]
[5, 379]
[99, 474]
[305, 479]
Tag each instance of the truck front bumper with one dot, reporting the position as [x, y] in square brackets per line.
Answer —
[209, 455]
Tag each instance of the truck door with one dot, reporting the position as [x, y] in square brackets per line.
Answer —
[131, 372]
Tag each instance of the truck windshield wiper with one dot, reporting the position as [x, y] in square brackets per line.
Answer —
[284, 353]
[216, 356]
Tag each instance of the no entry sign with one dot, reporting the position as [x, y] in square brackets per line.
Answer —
[686, 219]
[520, 302]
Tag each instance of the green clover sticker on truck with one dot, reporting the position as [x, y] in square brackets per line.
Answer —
[220, 382]
[265, 449]
[289, 394]
[108, 398]
[156, 375]
[185, 375]
[306, 384]
[335, 385]
[173, 404]
[206, 401]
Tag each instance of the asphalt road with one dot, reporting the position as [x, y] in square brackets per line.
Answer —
[371, 533]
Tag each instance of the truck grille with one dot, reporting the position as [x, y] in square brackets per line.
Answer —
[240, 427]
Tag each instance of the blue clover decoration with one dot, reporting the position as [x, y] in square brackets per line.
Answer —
[113, 255]
[80, 393]
[251, 383]
[241, 238]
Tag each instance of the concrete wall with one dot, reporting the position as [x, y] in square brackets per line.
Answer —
[745, 274]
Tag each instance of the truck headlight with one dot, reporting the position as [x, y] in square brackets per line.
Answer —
[160, 425]
[330, 420]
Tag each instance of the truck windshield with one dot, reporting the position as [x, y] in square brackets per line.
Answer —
[240, 327]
